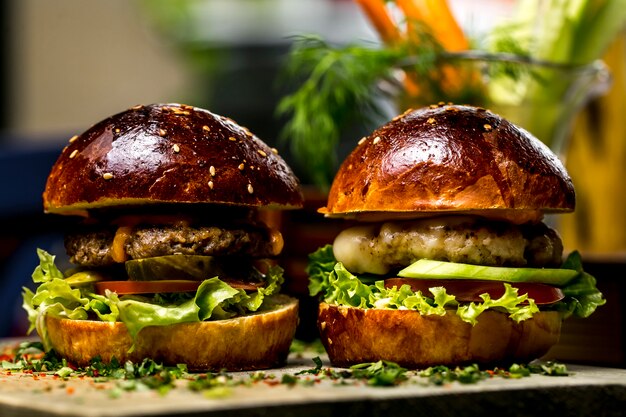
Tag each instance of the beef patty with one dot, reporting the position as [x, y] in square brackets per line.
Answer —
[94, 248]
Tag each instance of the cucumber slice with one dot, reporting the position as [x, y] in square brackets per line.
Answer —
[428, 269]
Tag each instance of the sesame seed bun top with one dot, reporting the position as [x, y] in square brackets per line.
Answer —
[168, 153]
[446, 160]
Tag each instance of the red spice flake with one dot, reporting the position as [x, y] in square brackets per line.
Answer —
[271, 383]
[70, 390]
[43, 374]
[9, 373]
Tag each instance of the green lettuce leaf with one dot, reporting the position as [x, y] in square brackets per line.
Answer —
[582, 295]
[321, 264]
[214, 299]
[336, 285]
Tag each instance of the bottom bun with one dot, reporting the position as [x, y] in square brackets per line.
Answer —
[256, 341]
[354, 335]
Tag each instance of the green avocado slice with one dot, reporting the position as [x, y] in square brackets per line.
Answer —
[429, 269]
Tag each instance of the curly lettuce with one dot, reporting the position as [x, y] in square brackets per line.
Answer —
[213, 300]
[336, 285]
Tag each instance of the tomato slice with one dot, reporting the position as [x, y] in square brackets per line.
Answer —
[162, 286]
[470, 290]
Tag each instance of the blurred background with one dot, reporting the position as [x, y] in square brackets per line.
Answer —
[67, 64]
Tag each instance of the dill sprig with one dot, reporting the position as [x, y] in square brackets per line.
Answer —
[340, 86]
[354, 83]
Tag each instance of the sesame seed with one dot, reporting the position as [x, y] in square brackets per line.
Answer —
[275, 151]
[232, 139]
[248, 133]
[433, 106]
[250, 189]
[441, 103]
[73, 138]
[206, 128]
[162, 132]
[117, 130]
[376, 140]
[74, 153]
[137, 107]
[487, 127]
[176, 148]
[262, 153]
[212, 170]
[430, 120]
[362, 140]
[107, 175]
[211, 185]
[241, 167]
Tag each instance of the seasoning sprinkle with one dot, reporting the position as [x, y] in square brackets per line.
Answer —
[73, 138]
[362, 140]
[232, 139]
[206, 128]
[107, 175]
[176, 148]
[162, 132]
[241, 167]
[250, 189]
[376, 140]
[262, 153]
[212, 170]
[487, 127]
[430, 121]
[211, 185]
[74, 153]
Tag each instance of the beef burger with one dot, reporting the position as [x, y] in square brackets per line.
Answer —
[173, 259]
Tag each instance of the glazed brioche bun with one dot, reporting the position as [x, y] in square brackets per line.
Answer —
[437, 162]
[188, 174]
[255, 341]
[450, 159]
[353, 335]
[168, 153]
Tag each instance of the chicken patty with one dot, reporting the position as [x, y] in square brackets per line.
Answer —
[386, 247]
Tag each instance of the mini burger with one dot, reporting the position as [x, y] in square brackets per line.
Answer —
[447, 260]
[173, 260]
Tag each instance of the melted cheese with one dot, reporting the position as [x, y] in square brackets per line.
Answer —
[118, 251]
[354, 248]
[276, 240]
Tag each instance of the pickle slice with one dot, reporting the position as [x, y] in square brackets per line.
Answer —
[184, 267]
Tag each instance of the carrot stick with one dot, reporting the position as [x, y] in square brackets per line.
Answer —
[378, 14]
[447, 29]
[439, 18]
